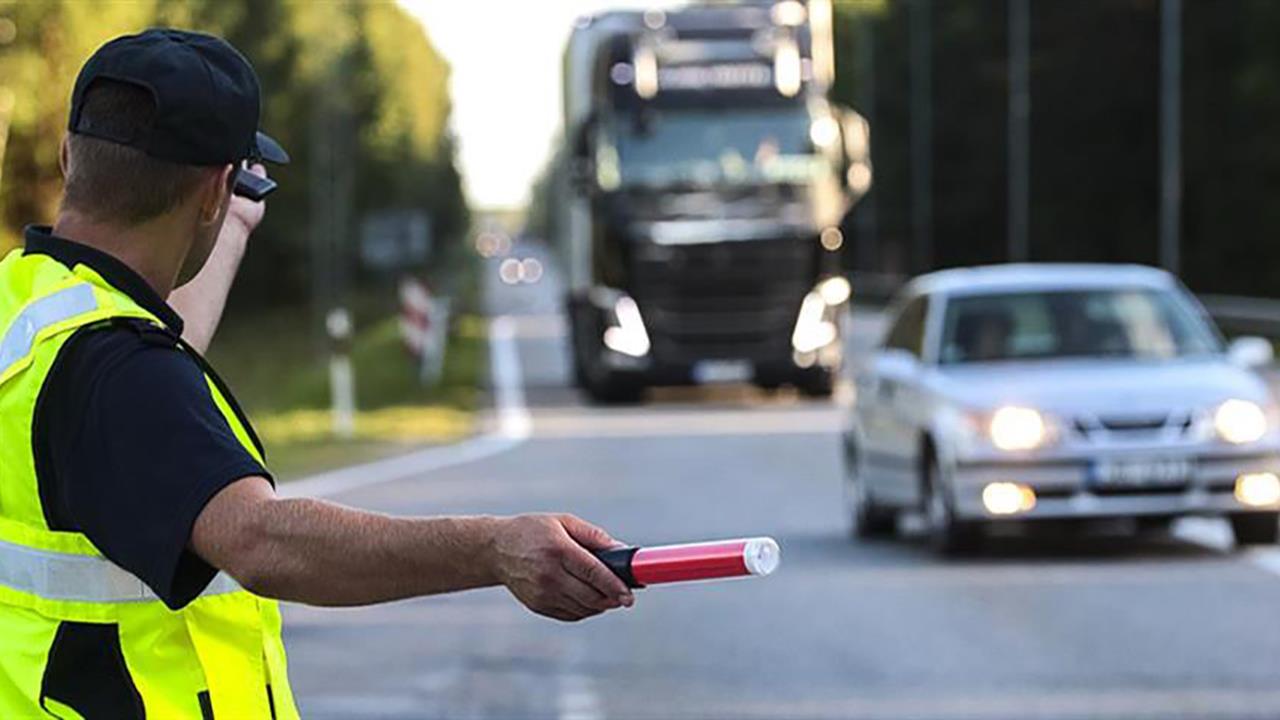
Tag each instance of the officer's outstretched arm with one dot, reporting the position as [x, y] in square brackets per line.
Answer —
[321, 553]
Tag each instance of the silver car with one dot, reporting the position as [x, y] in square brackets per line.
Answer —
[1022, 393]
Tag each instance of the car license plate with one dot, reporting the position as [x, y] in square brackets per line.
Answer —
[722, 371]
[1141, 473]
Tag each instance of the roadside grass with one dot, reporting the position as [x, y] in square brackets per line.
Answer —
[279, 372]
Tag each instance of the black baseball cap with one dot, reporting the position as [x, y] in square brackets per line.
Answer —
[206, 94]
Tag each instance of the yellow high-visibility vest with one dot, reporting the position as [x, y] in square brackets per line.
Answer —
[219, 657]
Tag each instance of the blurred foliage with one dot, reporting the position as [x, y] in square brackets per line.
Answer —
[370, 58]
[1094, 76]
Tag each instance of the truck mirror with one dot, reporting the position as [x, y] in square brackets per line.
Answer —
[581, 174]
[582, 158]
[855, 132]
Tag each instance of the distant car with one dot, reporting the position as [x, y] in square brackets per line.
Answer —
[1059, 392]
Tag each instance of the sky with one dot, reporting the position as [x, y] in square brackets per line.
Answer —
[505, 56]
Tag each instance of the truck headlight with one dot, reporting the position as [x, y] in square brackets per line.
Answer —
[813, 329]
[816, 324]
[1017, 428]
[1240, 421]
[835, 290]
[626, 333]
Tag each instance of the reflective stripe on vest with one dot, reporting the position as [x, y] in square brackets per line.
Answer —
[43, 313]
[81, 578]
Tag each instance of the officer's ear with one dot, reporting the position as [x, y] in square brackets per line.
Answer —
[215, 192]
[64, 155]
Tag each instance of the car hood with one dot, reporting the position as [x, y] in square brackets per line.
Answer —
[1101, 386]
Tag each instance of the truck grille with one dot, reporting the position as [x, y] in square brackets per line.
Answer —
[723, 301]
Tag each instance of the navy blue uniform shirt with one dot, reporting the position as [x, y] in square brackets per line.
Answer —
[129, 445]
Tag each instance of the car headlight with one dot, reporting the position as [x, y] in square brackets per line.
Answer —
[1240, 421]
[1017, 428]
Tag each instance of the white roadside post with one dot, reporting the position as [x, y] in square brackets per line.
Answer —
[424, 325]
[342, 390]
[436, 342]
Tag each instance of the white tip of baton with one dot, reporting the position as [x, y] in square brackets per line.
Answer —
[761, 555]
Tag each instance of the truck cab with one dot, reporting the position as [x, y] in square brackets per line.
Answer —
[710, 175]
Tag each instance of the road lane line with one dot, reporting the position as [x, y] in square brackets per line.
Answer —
[653, 422]
[513, 427]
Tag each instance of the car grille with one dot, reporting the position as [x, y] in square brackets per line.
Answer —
[1158, 490]
[723, 300]
[1132, 427]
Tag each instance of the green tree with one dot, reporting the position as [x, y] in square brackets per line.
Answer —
[372, 60]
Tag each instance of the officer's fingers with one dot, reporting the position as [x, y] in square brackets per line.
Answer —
[585, 566]
[561, 611]
[585, 594]
[586, 534]
[257, 169]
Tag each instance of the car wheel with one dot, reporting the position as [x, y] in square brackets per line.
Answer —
[1256, 528]
[604, 387]
[612, 391]
[947, 535]
[820, 384]
[866, 519]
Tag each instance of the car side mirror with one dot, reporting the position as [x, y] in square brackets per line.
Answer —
[1251, 352]
[896, 363]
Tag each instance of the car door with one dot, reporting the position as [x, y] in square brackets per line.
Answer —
[888, 395]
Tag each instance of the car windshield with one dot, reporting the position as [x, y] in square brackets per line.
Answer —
[715, 147]
[1125, 323]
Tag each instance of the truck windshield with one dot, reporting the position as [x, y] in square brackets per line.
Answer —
[1126, 323]
[705, 147]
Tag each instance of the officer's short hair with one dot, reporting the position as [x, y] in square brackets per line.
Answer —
[116, 183]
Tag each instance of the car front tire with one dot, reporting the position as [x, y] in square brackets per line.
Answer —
[1256, 528]
[867, 520]
[948, 535]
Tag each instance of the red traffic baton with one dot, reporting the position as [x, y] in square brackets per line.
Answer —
[642, 566]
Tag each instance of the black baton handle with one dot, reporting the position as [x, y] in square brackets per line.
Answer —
[619, 561]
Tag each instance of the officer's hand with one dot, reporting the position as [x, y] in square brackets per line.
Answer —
[544, 561]
[243, 214]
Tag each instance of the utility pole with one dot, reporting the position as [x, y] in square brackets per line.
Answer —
[864, 217]
[921, 128]
[1170, 134]
[331, 199]
[8, 98]
[1019, 193]
[7, 101]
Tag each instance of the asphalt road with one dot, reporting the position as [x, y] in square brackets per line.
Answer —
[1107, 627]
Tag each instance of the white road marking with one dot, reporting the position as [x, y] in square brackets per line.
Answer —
[512, 427]
[550, 326]
[653, 422]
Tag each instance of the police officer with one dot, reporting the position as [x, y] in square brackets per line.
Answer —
[141, 540]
